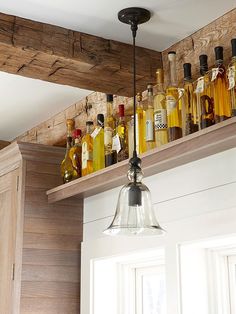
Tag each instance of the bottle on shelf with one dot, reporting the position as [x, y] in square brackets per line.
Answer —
[160, 114]
[232, 78]
[87, 150]
[204, 93]
[98, 144]
[190, 114]
[174, 119]
[68, 172]
[76, 152]
[131, 136]
[122, 136]
[149, 115]
[220, 87]
[140, 125]
[109, 132]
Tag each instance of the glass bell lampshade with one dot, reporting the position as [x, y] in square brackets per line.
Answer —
[134, 212]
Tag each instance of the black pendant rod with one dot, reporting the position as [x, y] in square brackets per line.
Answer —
[134, 28]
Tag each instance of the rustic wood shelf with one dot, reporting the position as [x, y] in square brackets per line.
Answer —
[201, 144]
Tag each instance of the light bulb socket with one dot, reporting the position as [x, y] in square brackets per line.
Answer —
[135, 195]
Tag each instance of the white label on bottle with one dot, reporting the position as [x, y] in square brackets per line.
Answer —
[84, 155]
[160, 119]
[200, 85]
[116, 143]
[96, 132]
[149, 131]
[108, 136]
[215, 72]
[231, 77]
[170, 104]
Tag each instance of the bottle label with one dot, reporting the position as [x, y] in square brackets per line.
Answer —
[160, 119]
[200, 85]
[96, 132]
[215, 72]
[84, 155]
[116, 146]
[171, 104]
[149, 131]
[108, 136]
[231, 77]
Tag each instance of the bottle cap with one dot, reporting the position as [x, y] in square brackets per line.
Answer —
[203, 64]
[100, 120]
[187, 71]
[160, 76]
[109, 97]
[70, 122]
[121, 110]
[233, 43]
[219, 53]
[171, 55]
[77, 133]
[89, 122]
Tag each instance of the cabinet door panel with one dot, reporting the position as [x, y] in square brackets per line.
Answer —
[8, 197]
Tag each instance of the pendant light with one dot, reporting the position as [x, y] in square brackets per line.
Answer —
[134, 213]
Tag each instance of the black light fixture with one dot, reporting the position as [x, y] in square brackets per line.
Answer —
[134, 213]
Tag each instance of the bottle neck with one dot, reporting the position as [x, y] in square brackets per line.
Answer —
[89, 129]
[203, 70]
[77, 140]
[160, 87]
[69, 137]
[173, 73]
[219, 62]
[150, 99]
[109, 109]
[233, 60]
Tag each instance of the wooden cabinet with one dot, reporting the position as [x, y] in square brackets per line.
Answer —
[39, 242]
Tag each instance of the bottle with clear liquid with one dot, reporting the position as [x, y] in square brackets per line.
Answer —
[87, 150]
[160, 113]
[98, 144]
[122, 135]
[68, 172]
[140, 125]
[174, 118]
[204, 93]
[109, 132]
[190, 114]
[131, 136]
[76, 152]
[232, 78]
[220, 87]
[149, 115]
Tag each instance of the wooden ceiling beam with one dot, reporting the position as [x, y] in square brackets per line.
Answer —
[59, 55]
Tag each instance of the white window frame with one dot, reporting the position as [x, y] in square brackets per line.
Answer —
[232, 282]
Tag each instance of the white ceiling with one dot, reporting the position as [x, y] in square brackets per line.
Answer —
[27, 102]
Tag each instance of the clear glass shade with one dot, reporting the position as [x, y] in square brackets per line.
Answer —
[134, 213]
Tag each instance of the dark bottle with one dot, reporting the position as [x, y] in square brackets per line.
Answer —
[204, 92]
[220, 88]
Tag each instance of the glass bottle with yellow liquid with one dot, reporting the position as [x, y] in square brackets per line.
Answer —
[149, 116]
[174, 118]
[220, 87]
[98, 144]
[204, 93]
[76, 152]
[140, 126]
[122, 135]
[87, 150]
[232, 78]
[68, 172]
[190, 113]
[160, 113]
[109, 132]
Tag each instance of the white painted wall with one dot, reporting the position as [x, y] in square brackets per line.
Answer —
[192, 202]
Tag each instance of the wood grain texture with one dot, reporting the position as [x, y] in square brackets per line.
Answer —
[4, 144]
[201, 144]
[63, 56]
[218, 33]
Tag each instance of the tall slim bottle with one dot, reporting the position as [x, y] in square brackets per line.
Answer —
[87, 150]
[220, 87]
[131, 136]
[172, 102]
[160, 113]
[68, 172]
[76, 152]
[140, 126]
[98, 144]
[204, 93]
[149, 116]
[109, 132]
[190, 114]
[122, 133]
[232, 78]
